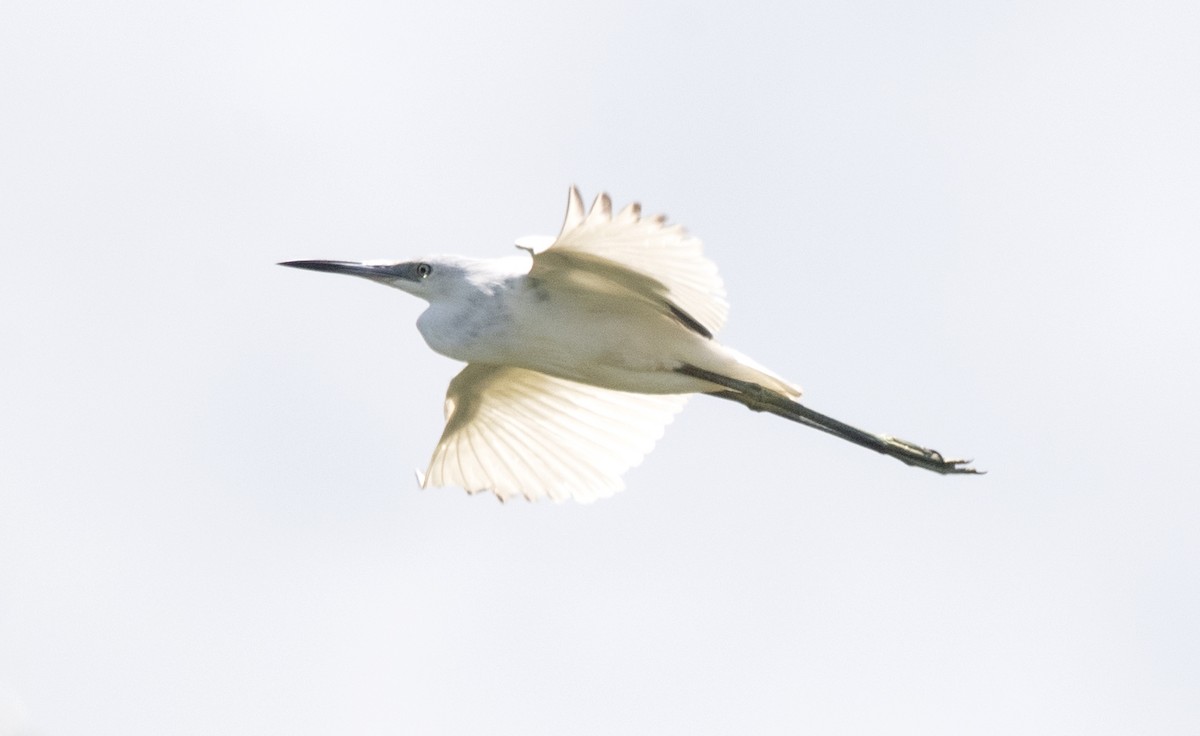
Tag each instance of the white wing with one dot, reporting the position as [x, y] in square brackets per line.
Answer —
[641, 257]
[517, 432]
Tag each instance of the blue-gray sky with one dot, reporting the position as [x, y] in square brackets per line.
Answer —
[972, 225]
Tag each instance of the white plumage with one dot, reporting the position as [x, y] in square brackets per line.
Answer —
[580, 353]
[517, 432]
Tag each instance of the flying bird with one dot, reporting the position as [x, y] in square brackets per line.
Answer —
[580, 350]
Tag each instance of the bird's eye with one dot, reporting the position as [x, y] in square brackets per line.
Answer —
[424, 269]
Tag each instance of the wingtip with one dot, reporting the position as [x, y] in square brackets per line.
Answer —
[630, 213]
[574, 214]
[602, 207]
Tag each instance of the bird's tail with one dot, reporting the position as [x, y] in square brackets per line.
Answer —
[744, 368]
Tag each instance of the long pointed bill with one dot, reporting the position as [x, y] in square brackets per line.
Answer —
[373, 271]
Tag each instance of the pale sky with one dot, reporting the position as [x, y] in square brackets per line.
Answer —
[974, 226]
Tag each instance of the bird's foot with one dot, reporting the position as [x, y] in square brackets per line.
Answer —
[923, 457]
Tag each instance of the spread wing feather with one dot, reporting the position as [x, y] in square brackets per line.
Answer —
[641, 256]
[517, 432]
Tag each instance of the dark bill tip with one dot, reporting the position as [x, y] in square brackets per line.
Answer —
[377, 271]
[348, 267]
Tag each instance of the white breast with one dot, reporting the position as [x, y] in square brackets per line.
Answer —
[471, 331]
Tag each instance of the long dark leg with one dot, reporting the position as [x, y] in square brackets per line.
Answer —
[759, 398]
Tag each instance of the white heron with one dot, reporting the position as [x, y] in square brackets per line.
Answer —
[580, 350]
